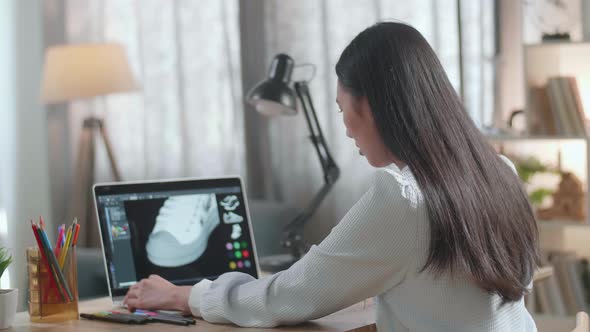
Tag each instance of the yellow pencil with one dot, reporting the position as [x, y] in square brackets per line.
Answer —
[64, 250]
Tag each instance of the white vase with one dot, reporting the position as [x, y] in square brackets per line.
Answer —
[8, 302]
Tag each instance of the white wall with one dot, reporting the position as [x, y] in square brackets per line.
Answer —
[24, 190]
[510, 65]
[7, 106]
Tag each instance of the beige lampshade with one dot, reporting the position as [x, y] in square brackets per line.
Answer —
[83, 71]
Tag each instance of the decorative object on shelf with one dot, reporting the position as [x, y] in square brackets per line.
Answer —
[517, 122]
[8, 297]
[84, 71]
[557, 37]
[274, 96]
[554, 20]
[568, 201]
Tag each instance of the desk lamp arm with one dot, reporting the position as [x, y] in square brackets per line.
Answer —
[292, 232]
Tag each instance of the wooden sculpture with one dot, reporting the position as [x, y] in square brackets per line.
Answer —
[568, 200]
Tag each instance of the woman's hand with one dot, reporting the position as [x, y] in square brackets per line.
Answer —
[156, 292]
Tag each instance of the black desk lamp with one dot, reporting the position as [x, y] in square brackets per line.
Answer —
[273, 96]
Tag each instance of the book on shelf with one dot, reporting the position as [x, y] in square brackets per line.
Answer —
[543, 121]
[575, 90]
[569, 279]
[571, 108]
[559, 107]
[556, 108]
[547, 293]
[549, 298]
[575, 278]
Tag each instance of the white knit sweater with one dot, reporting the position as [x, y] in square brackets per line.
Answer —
[375, 251]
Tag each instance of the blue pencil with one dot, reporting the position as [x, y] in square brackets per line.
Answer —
[55, 265]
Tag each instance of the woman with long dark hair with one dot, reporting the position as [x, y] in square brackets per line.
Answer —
[445, 238]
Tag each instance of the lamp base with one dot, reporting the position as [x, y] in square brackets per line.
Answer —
[277, 263]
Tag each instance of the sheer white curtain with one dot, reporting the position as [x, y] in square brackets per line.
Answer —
[187, 120]
[316, 32]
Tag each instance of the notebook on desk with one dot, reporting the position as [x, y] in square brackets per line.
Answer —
[182, 230]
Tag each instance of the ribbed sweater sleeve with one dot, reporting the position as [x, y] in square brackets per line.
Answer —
[364, 255]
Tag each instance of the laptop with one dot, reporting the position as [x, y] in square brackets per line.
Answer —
[183, 230]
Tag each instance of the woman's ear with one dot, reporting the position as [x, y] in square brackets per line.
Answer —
[364, 107]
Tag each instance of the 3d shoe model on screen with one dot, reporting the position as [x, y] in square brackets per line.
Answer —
[182, 229]
[232, 218]
[230, 202]
[236, 232]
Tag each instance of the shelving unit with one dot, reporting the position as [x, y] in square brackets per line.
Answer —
[507, 138]
[540, 62]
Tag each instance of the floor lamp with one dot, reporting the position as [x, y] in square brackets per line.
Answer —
[82, 72]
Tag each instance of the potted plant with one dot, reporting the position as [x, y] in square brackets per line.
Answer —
[8, 297]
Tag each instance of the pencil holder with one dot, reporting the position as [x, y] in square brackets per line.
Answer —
[53, 293]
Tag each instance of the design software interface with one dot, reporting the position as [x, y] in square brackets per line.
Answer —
[181, 235]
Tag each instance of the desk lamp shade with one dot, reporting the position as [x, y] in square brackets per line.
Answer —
[84, 71]
[273, 96]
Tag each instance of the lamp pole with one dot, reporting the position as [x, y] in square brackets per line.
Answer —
[292, 232]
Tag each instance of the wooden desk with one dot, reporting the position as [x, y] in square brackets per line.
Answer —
[357, 318]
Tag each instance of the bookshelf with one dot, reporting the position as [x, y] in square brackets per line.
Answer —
[545, 67]
[522, 138]
[542, 63]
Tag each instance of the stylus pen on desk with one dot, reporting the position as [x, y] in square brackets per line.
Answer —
[168, 320]
[189, 319]
[162, 319]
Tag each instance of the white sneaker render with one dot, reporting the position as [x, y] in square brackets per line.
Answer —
[230, 203]
[236, 232]
[232, 218]
[182, 229]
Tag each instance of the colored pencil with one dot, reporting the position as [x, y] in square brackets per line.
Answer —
[63, 236]
[77, 231]
[52, 269]
[55, 264]
[58, 243]
[52, 275]
[72, 245]
[64, 251]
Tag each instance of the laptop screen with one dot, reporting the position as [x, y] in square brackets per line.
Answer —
[182, 230]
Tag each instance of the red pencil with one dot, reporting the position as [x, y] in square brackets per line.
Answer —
[75, 236]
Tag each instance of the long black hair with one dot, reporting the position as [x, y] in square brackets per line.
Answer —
[481, 222]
